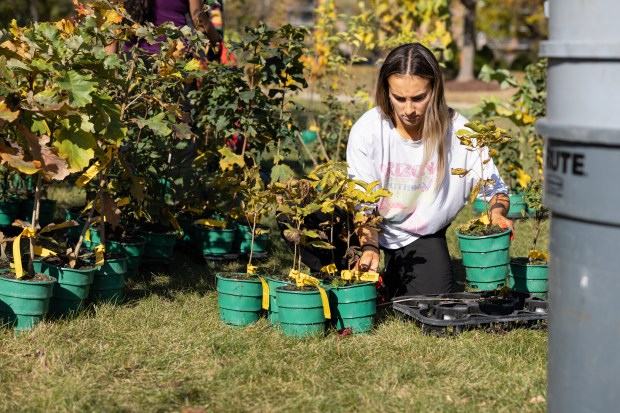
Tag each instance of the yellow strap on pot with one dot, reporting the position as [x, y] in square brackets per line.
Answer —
[251, 269]
[305, 279]
[265, 293]
[330, 269]
[346, 274]
[211, 223]
[326, 311]
[87, 235]
[174, 222]
[359, 275]
[89, 174]
[99, 254]
[43, 252]
[28, 232]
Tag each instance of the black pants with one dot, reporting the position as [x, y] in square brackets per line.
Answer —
[422, 267]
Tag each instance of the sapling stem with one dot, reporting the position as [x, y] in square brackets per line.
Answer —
[35, 222]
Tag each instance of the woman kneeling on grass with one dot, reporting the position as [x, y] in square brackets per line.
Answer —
[408, 143]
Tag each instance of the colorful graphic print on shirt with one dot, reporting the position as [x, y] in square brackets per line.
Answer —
[411, 186]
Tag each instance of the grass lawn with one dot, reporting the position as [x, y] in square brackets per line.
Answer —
[164, 349]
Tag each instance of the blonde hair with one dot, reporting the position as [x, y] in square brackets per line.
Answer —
[415, 59]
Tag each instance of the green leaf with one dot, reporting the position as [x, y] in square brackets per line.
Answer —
[79, 88]
[281, 172]
[157, 124]
[17, 64]
[322, 245]
[77, 147]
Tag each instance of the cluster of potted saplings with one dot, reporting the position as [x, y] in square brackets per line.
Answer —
[304, 304]
[485, 248]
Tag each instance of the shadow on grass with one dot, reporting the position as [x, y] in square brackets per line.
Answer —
[184, 272]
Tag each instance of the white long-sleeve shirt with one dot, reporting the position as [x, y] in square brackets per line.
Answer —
[377, 152]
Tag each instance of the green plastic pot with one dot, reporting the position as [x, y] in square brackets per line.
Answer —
[159, 245]
[9, 211]
[23, 304]
[213, 241]
[300, 313]
[47, 210]
[486, 259]
[353, 306]
[239, 301]
[518, 206]
[272, 284]
[243, 240]
[132, 250]
[109, 281]
[529, 278]
[72, 289]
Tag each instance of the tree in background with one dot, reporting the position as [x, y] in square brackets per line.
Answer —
[34, 10]
[506, 23]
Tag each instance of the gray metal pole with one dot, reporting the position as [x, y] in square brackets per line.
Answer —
[582, 190]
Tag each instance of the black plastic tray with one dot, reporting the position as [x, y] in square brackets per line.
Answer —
[456, 312]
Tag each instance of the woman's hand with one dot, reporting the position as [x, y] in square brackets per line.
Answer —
[369, 261]
[499, 206]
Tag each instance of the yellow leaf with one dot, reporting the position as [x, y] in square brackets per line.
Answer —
[484, 219]
[503, 111]
[65, 26]
[538, 256]
[528, 119]
[112, 16]
[6, 113]
[523, 178]
[192, 65]
[17, 162]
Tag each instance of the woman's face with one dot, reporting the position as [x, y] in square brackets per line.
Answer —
[410, 95]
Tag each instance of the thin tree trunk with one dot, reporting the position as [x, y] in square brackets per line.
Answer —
[468, 51]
